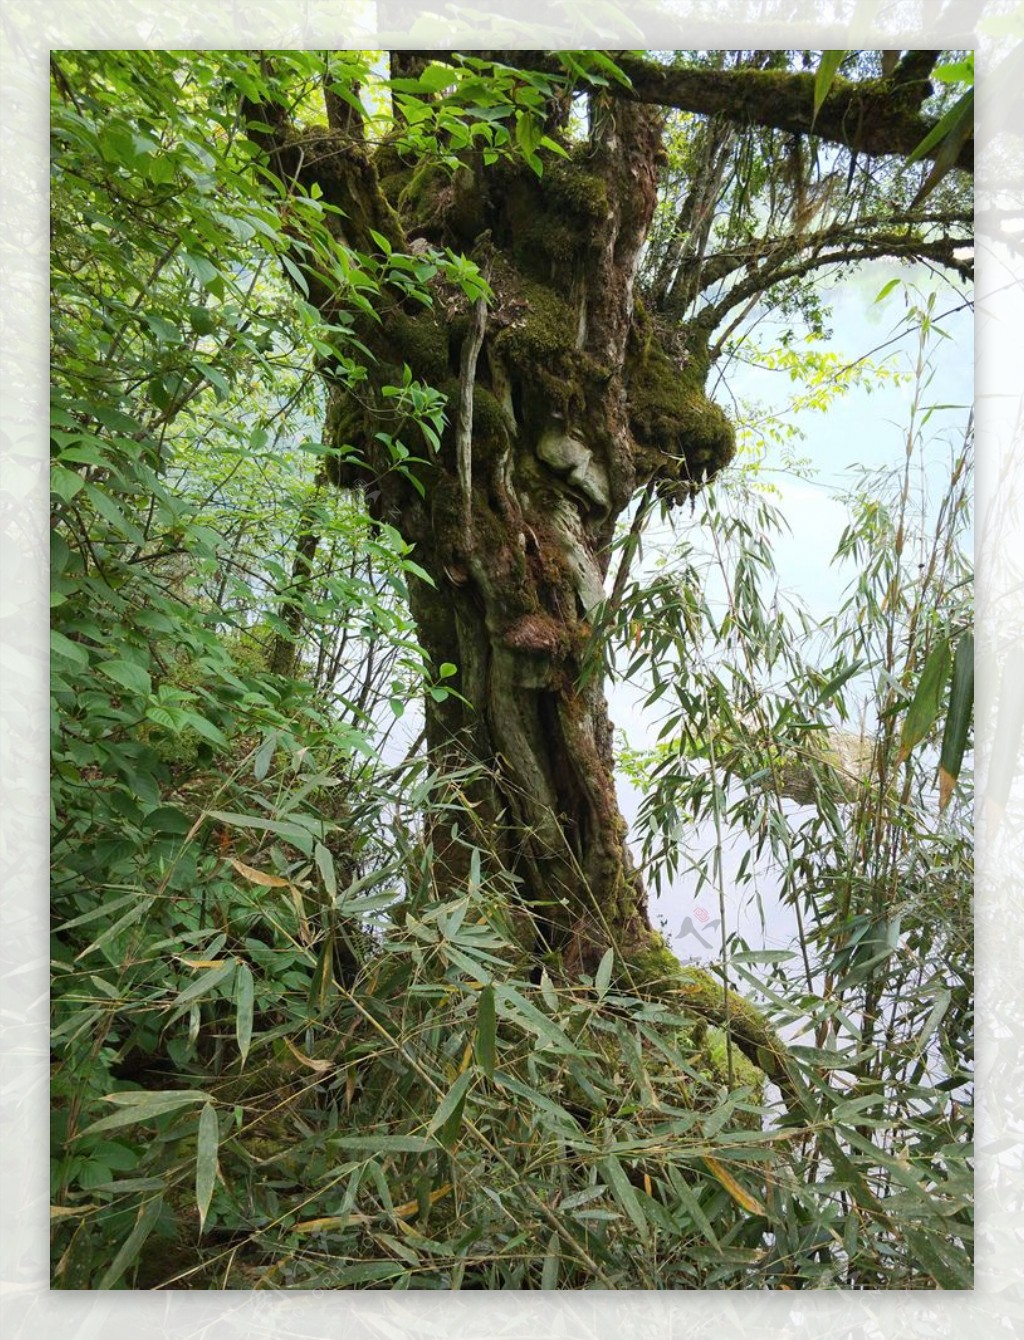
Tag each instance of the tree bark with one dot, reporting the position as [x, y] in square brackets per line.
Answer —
[563, 400]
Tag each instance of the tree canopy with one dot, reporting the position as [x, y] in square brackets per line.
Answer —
[369, 371]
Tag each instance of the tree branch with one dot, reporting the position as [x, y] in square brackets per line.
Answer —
[869, 116]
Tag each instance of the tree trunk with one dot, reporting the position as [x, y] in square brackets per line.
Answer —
[562, 400]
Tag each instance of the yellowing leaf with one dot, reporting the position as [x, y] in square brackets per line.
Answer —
[328, 1222]
[311, 1062]
[733, 1187]
[71, 1211]
[411, 1207]
[258, 876]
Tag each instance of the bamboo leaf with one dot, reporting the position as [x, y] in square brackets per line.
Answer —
[603, 976]
[943, 126]
[926, 704]
[145, 1222]
[258, 876]
[958, 131]
[958, 719]
[209, 981]
[739, 1195]
[206, 1160]
[549, 1273]
[828, 67]
[325, 864]
[384, 1144]
[624, 1193]
[447, 1120]
[244, 997]
[486, 1031]
[138, 1107]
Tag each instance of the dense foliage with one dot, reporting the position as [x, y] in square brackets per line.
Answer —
[281, 1058]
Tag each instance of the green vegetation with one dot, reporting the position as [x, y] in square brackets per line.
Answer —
[321, 1016]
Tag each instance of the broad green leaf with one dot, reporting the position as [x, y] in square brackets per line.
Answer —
[70, 651]
[65, 483]
[128, 675]
[167, 819]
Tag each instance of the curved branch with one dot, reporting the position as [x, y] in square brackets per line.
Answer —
[870, 116]
[874, 248]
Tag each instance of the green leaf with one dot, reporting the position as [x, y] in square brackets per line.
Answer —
[947, 1264]
[926, 704]
[128, 674]
[167, 819]
[886, 289]
[207, 981]
[448, 1118]
[383, 1144]
[203, 269]
[70, 651]
[206, 1160]
[953, 130]
[139, 1107]
[828, 67]
[691, 1205]
[513, 1005]
[486, 1031]
[244, 998]
[549, 1273]
[624, 1193]
[65, 483]
[145, 1222]
[325, 864]
[838, 680]
[958, 718]
[604, 972]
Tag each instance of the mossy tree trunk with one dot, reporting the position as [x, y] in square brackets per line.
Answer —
[564, 398]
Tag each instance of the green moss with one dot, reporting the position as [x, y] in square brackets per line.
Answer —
[652, 967]
[540, 345]
[490, 429]
[713, 1059]
[422, 198]
[683, 436]
[568, 185]
[422, 342]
